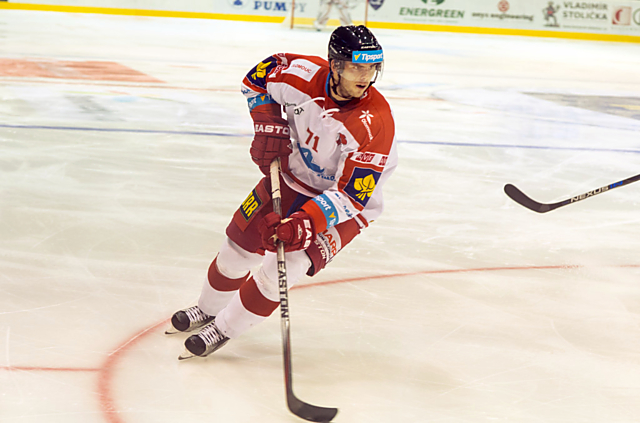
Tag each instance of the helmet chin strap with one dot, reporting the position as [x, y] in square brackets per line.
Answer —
[333, 87]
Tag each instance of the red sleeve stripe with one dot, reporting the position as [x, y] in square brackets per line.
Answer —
[362, 220]
[313, 210]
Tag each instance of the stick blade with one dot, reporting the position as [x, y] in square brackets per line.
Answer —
[521, 198]
[310, 412]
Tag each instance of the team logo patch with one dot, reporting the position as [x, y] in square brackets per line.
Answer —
[250, 205]
[258, 74]
[260, 70]
[362, 184]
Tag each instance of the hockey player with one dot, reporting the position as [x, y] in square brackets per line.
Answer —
[337, 149]
[325, 10]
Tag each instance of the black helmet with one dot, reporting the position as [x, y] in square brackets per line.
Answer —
[345, 40]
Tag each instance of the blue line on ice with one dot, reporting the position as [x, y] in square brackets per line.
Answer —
[225, 134]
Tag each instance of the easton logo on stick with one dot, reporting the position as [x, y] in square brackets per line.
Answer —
[282, 284]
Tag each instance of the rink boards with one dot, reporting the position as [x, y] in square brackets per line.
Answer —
[606, 20]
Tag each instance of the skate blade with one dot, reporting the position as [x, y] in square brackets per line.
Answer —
[186, 355]
[171, 330]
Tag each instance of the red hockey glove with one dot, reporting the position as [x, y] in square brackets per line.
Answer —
[297, 232]
[271, 140]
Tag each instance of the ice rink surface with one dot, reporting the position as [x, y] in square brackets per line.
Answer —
[124, 152]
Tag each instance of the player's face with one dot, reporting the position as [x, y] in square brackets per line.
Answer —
[355, 78]
[359, 72]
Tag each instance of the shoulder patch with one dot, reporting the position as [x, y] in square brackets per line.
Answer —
[361, 184]
[302, 68]
[258, 74]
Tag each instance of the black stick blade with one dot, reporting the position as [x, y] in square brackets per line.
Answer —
[521, 198]
[310, 412]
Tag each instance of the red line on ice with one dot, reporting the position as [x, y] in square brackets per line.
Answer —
[107, 370]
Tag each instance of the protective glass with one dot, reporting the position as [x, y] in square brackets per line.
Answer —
[359, 72]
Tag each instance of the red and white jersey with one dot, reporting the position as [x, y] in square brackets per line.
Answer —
[342, 155]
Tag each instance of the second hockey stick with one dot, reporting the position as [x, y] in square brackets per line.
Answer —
[521, 198]
[299, 408]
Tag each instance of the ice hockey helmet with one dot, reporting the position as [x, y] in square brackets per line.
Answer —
[349, 42]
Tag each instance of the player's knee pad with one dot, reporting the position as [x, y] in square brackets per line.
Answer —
[329, 243]
[234, 262]
[267, 276]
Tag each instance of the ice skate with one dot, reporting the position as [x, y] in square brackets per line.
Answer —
[318, 26]
[208, 340]
[187, 320]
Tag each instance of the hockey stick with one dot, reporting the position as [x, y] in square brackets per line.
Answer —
[521, 198]
[299, 408]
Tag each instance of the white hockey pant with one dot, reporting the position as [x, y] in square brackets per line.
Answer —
[238, 310]
[325, 10]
